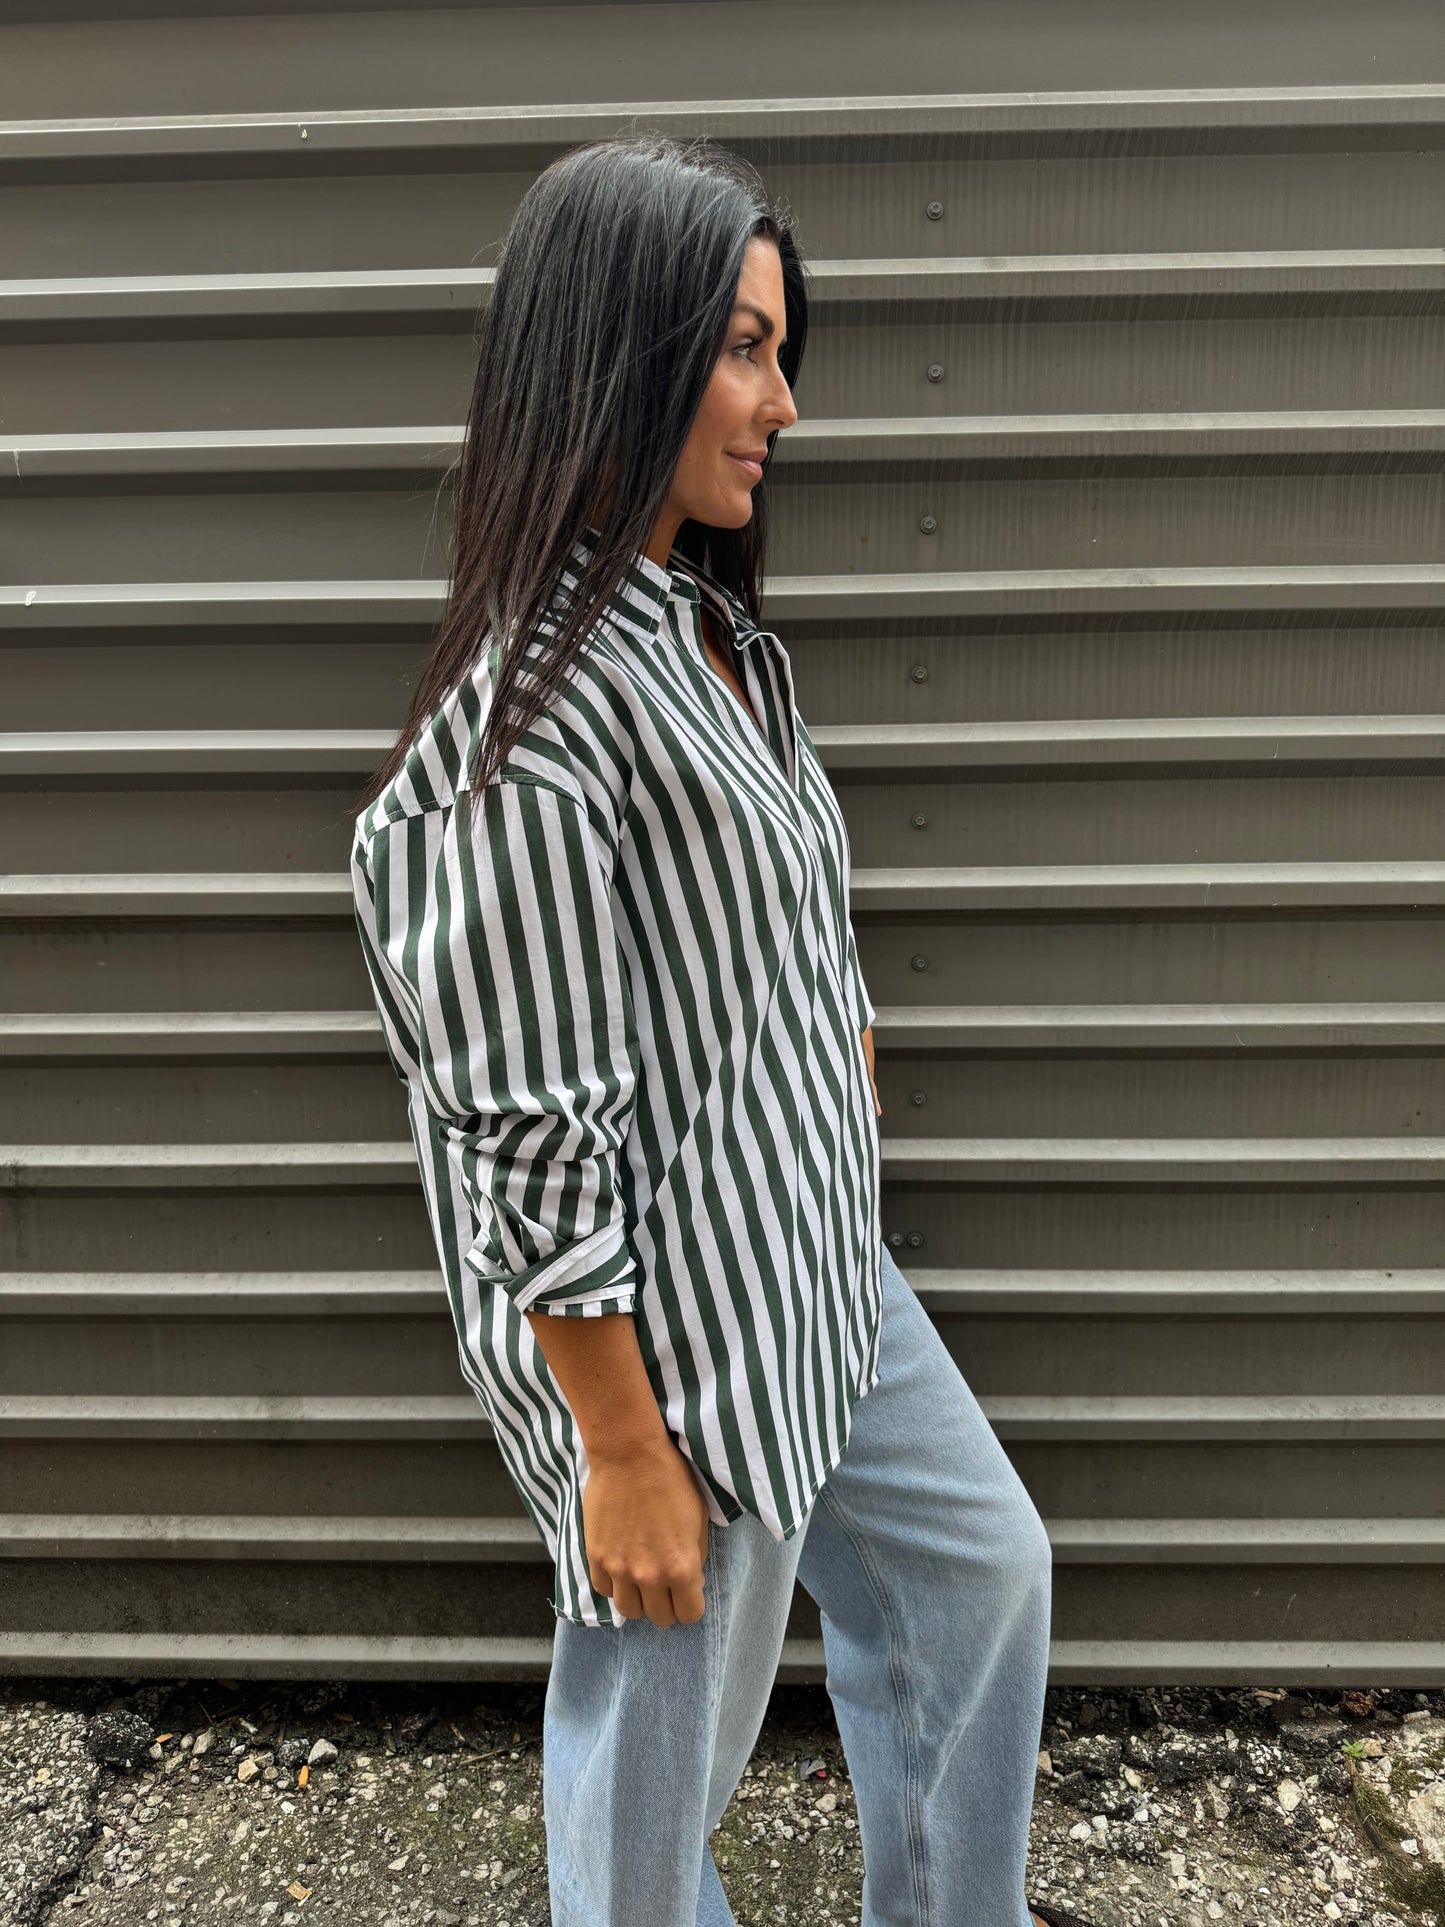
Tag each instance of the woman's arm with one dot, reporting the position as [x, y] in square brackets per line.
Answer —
[598, 1365]
[644, 1517]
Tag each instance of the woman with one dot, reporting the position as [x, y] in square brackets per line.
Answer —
[602, 889]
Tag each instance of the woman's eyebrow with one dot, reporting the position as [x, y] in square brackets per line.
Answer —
[764, 321]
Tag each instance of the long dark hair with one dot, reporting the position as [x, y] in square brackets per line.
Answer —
[612, 300]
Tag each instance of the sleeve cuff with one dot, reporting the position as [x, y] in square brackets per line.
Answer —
[575, 1279]
[589, 1307]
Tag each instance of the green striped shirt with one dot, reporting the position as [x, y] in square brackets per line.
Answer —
[623, 993]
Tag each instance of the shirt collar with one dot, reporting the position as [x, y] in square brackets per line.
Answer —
[637, 603]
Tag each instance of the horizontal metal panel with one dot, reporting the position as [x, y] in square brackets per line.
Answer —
[401, 1540]
[214, 379]
[1206, 121]
[1333, 1417]
[1091, 1602]
[326, 1478]
[195, 1228]
[50, 1037]
[1342, 1293]
[1265, 1478]
[210, 831]
[1102, 1662]
[1198, 956]
[454, 1415]
[339, 1295]
[1236, 526]
[1129, 593]
[1118, 820]
[952, 444]
[1146, 887]
[1337, 281]
[996, 688]
[943, 829]
[1315, 1220]
[66, 962]
[470, 1539]
[204, 59]
[936, 1092]
[1163, 744]
[329, 1476]
[300, 218]
[1197, 1602]
[205, 1034]
[306, 1166]
[145, 966]
[1141, 888]
[1089, 1356]
[358, 682]
[1380, 353]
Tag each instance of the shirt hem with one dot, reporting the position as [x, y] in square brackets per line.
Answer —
[789, 1532]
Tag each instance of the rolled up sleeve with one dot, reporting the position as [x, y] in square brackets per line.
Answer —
[501, 939]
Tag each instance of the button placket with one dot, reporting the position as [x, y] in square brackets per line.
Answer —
[761, 737]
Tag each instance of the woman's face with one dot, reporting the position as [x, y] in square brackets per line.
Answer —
[746, 399]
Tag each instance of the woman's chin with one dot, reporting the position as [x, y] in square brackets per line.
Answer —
[728, 510]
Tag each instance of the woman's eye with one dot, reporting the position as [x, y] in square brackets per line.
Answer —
[751, 342]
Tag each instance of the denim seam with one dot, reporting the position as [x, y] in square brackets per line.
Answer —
[905, 1706]
[715, 1605]
[715, 1610]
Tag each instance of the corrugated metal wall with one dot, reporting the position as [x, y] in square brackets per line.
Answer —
[1110, 560]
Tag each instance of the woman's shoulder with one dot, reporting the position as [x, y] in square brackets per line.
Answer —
[577, 744]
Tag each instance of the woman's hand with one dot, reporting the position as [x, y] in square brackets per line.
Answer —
[644, 1524]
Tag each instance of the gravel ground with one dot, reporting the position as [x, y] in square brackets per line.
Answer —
[129, 1801]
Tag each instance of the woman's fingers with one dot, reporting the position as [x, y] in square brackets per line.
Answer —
[687, 1602]
[645, 1527]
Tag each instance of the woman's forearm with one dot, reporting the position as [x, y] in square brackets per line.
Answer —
[598, 1366]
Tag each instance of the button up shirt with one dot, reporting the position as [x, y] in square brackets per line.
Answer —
[622, 990]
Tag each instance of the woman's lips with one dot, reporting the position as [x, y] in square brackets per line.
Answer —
[755, 469]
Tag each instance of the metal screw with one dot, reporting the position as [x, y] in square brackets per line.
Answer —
[935, 371]
[918, 962]
[928, 524]
[918, 1097]
[919, 820]
[914, 1238]
[935, 210]
[919, 672]
[895, 1238]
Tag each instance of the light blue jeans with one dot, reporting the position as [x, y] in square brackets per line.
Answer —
[931, 1571]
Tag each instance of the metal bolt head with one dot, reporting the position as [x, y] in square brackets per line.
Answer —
[914, 1238]
[928, 524]
[918, 961]
[935, 371]
[919, 672]
[918, 1097]
[935, 210]
[919, 819]
[895, 1238]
